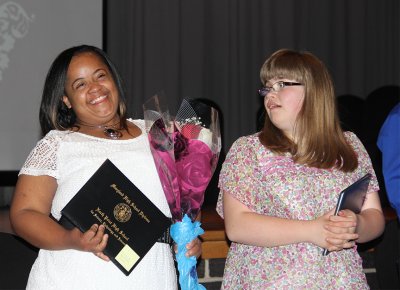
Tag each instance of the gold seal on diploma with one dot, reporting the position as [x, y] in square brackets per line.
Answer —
[122, 212]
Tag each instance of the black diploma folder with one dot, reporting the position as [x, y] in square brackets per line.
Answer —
[131, 220]
[353, 197]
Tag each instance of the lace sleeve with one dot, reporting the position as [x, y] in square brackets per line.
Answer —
[42, 160]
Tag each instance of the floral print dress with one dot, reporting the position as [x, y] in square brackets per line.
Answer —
[275, 186]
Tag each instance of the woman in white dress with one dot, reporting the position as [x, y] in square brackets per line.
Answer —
[83, 120]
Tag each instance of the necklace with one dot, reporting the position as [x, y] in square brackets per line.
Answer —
[109, 130]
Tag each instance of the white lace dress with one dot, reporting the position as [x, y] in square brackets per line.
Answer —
[71, 158]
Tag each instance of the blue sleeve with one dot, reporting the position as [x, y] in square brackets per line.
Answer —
[389, 144]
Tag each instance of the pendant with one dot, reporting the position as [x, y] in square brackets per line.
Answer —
[112, 133]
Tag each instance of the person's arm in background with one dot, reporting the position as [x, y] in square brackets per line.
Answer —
[389, 144]
[5, 225]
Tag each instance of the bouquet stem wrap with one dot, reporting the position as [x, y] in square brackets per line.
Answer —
[182, 233]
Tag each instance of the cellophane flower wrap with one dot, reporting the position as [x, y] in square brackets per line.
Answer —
[185, 150]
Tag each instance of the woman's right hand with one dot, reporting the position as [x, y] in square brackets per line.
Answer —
[93, 240]
[30, 219]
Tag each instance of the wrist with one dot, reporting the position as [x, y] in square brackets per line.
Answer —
[309, 231]
[71, 237]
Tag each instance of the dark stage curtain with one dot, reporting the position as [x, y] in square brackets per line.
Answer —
[214, 49]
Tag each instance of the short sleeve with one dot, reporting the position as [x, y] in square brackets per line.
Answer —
[237, 174]
[42, 160]
[364, 160]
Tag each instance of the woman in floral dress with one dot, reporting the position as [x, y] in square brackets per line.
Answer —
[279, 188]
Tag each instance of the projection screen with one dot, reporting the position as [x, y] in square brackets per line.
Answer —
[32, 34]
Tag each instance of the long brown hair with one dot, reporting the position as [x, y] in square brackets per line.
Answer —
[320, 141]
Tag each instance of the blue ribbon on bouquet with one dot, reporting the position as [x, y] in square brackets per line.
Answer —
[182, 233]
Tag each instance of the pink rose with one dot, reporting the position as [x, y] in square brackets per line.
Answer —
[194, 171]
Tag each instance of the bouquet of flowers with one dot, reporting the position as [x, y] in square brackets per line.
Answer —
[185, 150]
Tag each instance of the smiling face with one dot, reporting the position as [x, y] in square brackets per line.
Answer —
[283, 107]
[91, 91]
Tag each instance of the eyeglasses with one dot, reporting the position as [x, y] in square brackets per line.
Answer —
[276, 87]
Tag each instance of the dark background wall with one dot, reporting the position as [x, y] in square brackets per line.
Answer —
[214, 50]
